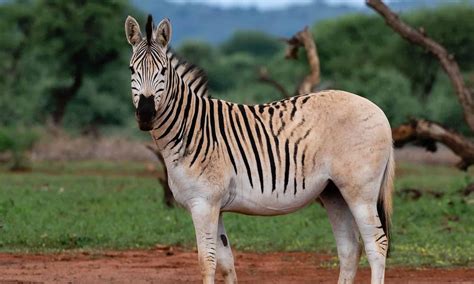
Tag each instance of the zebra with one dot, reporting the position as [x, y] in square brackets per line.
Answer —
[267, 159]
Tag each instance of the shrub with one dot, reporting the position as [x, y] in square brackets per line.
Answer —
[17, 141]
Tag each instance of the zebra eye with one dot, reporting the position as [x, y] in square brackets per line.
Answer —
[132, 70]
[163, 70]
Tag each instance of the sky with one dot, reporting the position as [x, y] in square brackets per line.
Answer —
[265, 4]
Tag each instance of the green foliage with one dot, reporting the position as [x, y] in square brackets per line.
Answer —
[103, 100]
[82, 39]
[254, 43]
[349, 43]
[240, 66]
[17, 141]
[361, 54]
[107, 206]
[79, 35]
[48, 45]
[200, 53]
[233, 65]
[452, 26]
[20, 98]
[443, 105]
[50, 48]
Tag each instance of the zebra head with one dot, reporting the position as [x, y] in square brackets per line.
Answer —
[148, 66]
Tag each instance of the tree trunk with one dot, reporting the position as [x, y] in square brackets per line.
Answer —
[63, 95]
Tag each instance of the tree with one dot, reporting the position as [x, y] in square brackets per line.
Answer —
[19, 100]
[419, 129]
[450, 26]
[60, 46]
[80, 37]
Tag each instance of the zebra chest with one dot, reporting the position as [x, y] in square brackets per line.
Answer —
[186, 185]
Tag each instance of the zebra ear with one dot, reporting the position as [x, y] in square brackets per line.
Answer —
[132, 31]
[162, 34]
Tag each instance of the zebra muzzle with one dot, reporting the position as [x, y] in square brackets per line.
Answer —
[146, 112]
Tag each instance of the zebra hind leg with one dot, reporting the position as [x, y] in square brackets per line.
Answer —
[225, 259]
[345, 232]
[364, 210]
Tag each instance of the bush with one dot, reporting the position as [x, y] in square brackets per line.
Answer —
[17, 141]
[443, 105]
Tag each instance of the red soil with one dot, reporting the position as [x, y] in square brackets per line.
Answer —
[171, 265]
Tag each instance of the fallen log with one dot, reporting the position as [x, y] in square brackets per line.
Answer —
[426, 133]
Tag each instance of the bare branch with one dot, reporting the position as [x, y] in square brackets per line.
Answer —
[305, 38]
[263, 76]
[293, 47]
[449, 64]
[426, 133]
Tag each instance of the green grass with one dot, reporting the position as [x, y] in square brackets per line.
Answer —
[97, 205]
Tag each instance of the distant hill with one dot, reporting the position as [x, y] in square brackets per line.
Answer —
[213, 24]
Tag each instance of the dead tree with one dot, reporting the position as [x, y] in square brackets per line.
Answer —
[428, 131]
[304, 39]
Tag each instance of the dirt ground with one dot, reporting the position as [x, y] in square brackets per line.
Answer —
[171, 265]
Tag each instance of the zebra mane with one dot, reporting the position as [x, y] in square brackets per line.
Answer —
[149, 29]
[194, 76]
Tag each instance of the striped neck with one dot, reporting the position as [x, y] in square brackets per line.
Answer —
[183, 102]
[192, 75]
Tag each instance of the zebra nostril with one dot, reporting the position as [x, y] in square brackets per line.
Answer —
[146, 108]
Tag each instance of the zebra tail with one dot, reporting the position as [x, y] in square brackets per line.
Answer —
[384, 204]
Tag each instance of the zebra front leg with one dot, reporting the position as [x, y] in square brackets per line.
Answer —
[225, 259]
[345, 232]
[205, 218]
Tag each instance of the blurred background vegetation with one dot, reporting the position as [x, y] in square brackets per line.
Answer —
[65, 62]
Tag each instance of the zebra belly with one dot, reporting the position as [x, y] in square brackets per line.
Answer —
[252, 201]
